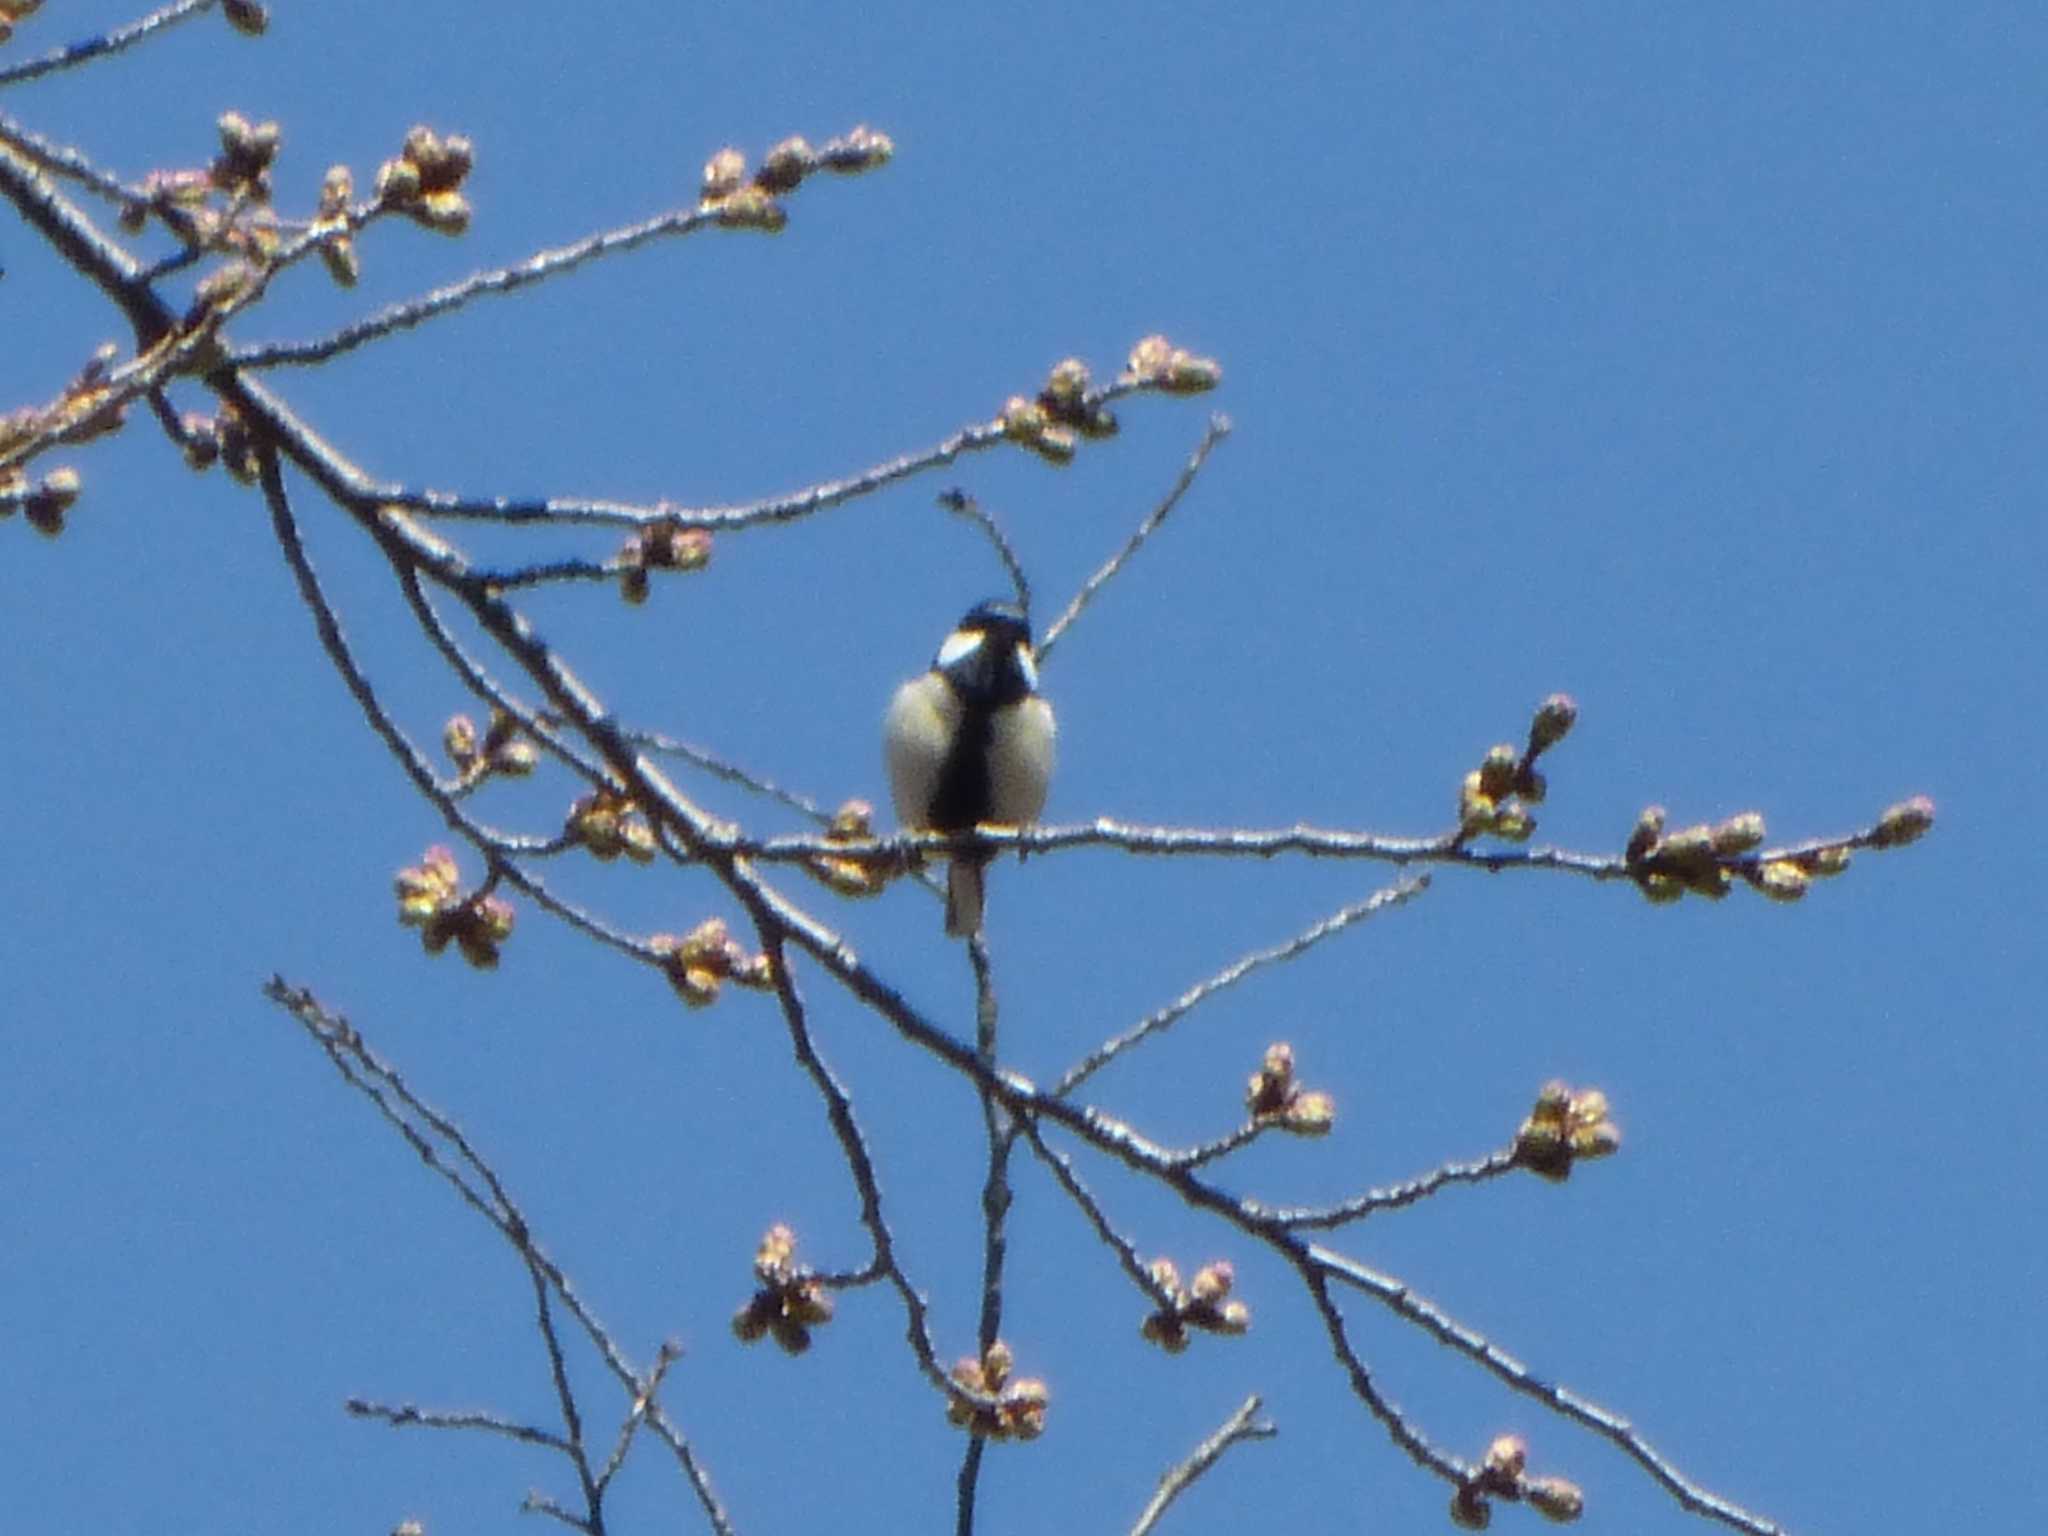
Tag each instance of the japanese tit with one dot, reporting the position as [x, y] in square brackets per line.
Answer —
[971, 741]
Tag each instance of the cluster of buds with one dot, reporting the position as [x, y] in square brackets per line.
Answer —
[177, 197]
[1494, 798]
[749, 202]
[853, 822]
[1158, 364]
[12, 11]
[609, 824]
[502, 747]
[1206, 1304]
[430, 899]
[1504, 1475]
[1566, 1126]
[425, 181]
[660, 546]
[791, 1301]
[333, 224]
[1016, 1407]
[1064, 412]
[43, 503]
[221, 289]
[232, 442]
[247, 17]
[1276, 1098]
[1702, 859]
[247, 152]
[1705, 860]
[199, 436]
[85, 411]
[701, 961]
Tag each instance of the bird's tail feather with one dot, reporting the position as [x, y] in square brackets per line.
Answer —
[963, 897]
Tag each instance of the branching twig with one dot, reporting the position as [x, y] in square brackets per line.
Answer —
[1562, 1400]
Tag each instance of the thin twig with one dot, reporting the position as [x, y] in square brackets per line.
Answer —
[1236, 971]
[1223, 1146]
[732, 773]
[1125, 1250]
[788, 507]
[1240, 1426]
[381, 1083]
[402, 1415]
[119, 38]
[1562, 1400]
[1328, 1216]
[1001, 1131]
[537, 268]
[859, 1161]
[957, 501]
[636, 1411]
[565, 1398]
[1219, 428]
[284, 527]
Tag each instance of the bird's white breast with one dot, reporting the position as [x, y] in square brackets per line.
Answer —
[922, 721]
[1020, 761]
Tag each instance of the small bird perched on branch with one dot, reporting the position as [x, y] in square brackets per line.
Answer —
[971, 741]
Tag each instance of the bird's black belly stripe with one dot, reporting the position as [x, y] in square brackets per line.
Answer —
[964, 792]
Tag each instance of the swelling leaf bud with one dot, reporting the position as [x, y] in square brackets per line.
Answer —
[1906, 822]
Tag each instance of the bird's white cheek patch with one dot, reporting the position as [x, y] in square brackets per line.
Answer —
[960, 645]
[1028, 667]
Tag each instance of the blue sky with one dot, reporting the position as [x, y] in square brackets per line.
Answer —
[1689, 363]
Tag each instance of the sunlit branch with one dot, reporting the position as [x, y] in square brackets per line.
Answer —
[1258, 843]
[62, 160]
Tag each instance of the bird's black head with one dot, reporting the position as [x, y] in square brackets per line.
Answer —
[987, 658]
[1000, 620]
